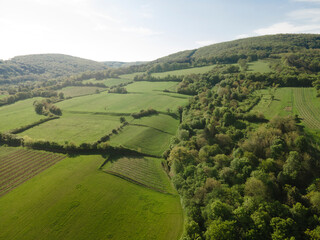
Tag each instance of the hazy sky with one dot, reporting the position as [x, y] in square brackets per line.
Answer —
[136, 30]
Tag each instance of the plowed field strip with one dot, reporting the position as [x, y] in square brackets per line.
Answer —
[22, 165]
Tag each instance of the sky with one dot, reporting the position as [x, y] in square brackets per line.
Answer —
[143, 30]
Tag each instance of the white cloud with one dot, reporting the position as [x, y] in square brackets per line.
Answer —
[203, 43]
[311, 15]
[286, 27]
[311, 1]
[240, 36]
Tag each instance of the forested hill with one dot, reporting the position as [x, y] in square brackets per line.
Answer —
[45, 66]
[230, 52]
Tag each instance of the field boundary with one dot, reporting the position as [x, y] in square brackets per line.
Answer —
[37, 123]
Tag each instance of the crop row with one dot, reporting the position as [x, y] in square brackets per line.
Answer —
[22, 166]
[21, 160]
[29, 163]
[307, 111]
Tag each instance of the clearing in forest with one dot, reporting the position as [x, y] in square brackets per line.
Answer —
[291, 101]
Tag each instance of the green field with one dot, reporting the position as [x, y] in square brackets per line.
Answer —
[109, 82]
[76, 91]
[75, 200]
[76, 128]
[145, 171]
[142, 139]
[259, 66]
[139, 87]
[18, 114]
[123, 103]
[187, 71]
[291, 101]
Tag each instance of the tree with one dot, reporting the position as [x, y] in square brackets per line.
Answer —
[292, 166]
[222, 230]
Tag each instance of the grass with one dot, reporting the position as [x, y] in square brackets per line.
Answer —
[146, 171]
[109, 82]
[76, 128]
[259, 66]
[123, 103]
[187, 71]
[143, 139]
[291, 101]
[79, 91]
[18, 114]
[282, 105]
[131, 75]
[139, 87]
[162, 122]
[75, 200]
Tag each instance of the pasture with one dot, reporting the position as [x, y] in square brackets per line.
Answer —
[145, 171]
[76, 128]
[18, 114]
[19, 165]
[187, 71]
[109, 82]
[123, 103]
[76, 91]
[75, 200]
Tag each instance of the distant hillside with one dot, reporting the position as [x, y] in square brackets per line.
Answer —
[115, 64]
[45, 66]
[253, 48]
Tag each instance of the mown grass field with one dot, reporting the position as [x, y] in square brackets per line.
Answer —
[141, 170]
[123, 103]
[142, 139]
[76, 128]
[18, 114]
[291, 101]
[21, 165]
[187, 71]
[259, 66]
[75, 200]
[76, 91]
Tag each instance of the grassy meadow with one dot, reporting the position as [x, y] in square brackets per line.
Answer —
[76, 91]
[75, 200]
[187, 71]
[76, 128]
[147, 87]
[144, 170]
[18, 114]
[109, 82]
[123, 103]
[259, 66]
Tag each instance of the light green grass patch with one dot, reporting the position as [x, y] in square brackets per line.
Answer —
[259, 66]
[18, 114]
[76, 128]
[146, 171]
[142, 139]
[109, 82]
[131, 75]
[75, 91]
[151, 86]
[123, 103]
[75, 200]
[161, 122]
[195, 70]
